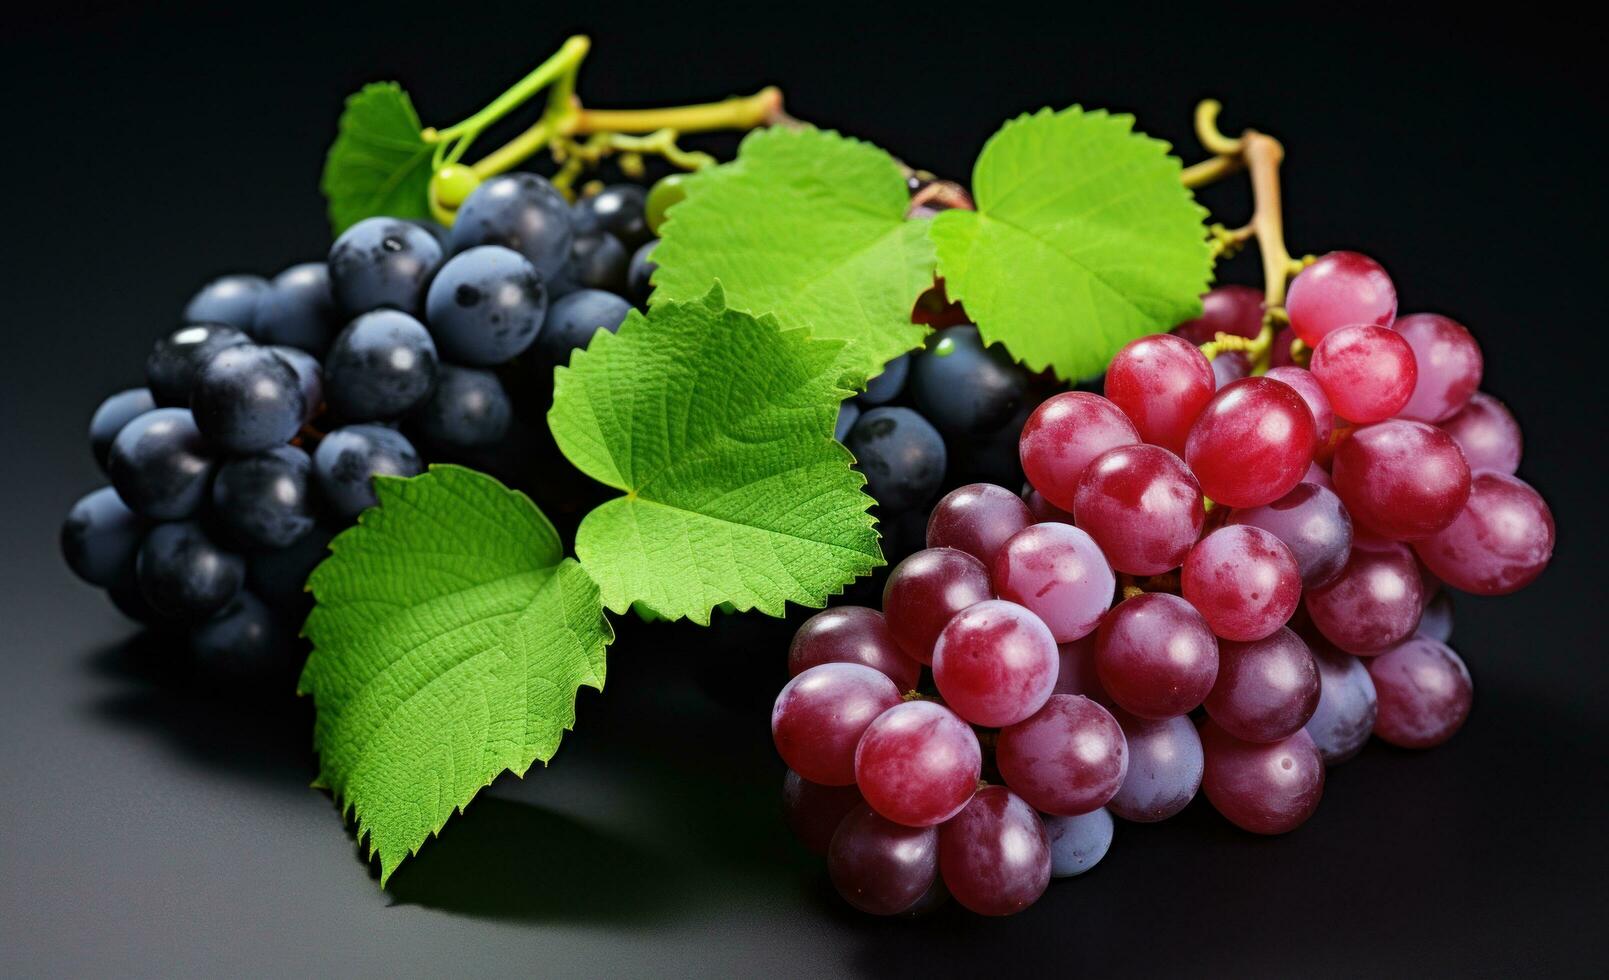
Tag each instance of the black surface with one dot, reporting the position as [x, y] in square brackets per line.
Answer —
[145, 830]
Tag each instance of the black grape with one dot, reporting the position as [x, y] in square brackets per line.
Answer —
[619, 209]
[279, 577]
[848, 415]
[245, 642]
[114, 413]
[309, 376]
[131, 603]
[901, 454]
[468, 409]
[298, 309]
[266, 499]
[382, 263]
[963, 388]
[486, 305]
[347, 458]
[575, 318]
[171, 368]
[160, 465]
[100, 538]
[887, 385]
[598, 261]
[247, 399]
[640, 273]
[183, 574]
[229, 300]
[381, 366]
[521, 211]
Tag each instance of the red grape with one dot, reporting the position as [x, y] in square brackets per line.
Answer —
[820, 715]
[1312, 393]
[1488, 435]
[1373, 604]
[1281, 356]
[1499, 543]
[1252, 443]
[851, 635]
[1068, 758]
[1425, 693]
[879, 866]
[1436, 622]
[1043, 510]
[1155, 656]
[1229, 365]
[1077, 672]
[1266, 689]
[1319, 476]
[1367, 372]
[1340, 289]
[995, 663]
[1449, 366]
[1401, 479]
[1346, 705]
[1063, 434]
[813, 811]
[1164, 768]
[977, 519]
[1142, 506]
[1313, 524]
[1263, 787]
[1243, 581]
[918, 763]
[1232, 309]
[1059, 573]
[1161, 383]
[995, 855]
[925, 590]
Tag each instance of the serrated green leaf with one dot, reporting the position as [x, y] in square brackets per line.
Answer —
[379, 163]
[449, 640]
[1084, 239]
[809, 226]
[718, 427]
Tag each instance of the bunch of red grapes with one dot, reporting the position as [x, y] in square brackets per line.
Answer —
[1275, 547]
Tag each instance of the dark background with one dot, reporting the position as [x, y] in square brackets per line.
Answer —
[146, 829]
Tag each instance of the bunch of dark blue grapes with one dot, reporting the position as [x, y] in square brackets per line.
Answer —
[265, 415]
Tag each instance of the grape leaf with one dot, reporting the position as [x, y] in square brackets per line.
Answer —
[809, 226]
[718, 427]
[379, 163]
[1084, 239]
[449, 640]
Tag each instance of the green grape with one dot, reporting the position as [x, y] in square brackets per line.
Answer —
[453, 183]
[671, 189]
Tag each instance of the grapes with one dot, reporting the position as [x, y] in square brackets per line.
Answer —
[1266, 788]
[160, 465]
[1058, 572]
[279, 577]
[619, 210]
[115, 412]
[1234, 310]
[1374, 603]
[813, 811]
[1043, 510]
[1063, 435]
[1155, 655]
[1500, 542]
[247, 399]
[995, 855]
[266, 499]
[171, 368]
[1312, 393]
[917, 764]
[1161, 383]
[1346, 705]
[1243, 580]
[852, 635]
[1401, 479]
[100, 538]
[1230, 365]
[848, 415]
[1068, 758]
[486, 306]
[995, 663]
[1488, 435]
[1077, 675]
[1448, 362]
[925, 590]
[309, 377]
[1339, 290]
[1078, 843]
[598, 261]
[574, 319]
[1266, 689]
[468, 409]
[1165, 766]
[667, 192]
[243, 644]
[1142, 506]
[1312, 522]
[380, 367]
[888, 383]
[347, 460]
[1367, 372]
[820, 715]
[1424, 693]
[230, 300]
[965, 388]
[183, 574]
[640, 274]
[521, 211]
[977, 519]
[1437, 620]
[902, 455]
[383, 262]
[879, 866]
[1252, 443]
[297, 310]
